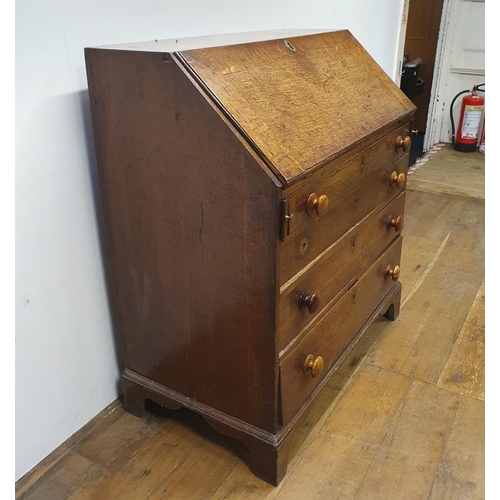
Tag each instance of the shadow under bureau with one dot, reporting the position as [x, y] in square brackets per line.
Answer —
[253, 192]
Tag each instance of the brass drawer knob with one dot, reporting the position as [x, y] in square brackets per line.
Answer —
[394, 273]
[317, 204]
[395, 222]
[398, 179]
[404, 144]
[313, 366]
[309, 301]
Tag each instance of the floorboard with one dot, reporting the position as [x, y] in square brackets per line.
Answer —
[464, 370]
[418, 344]
[452, 172]
[460, 473]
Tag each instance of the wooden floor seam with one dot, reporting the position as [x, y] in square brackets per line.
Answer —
[461, 195]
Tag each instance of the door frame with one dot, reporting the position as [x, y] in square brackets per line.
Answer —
[433, 128]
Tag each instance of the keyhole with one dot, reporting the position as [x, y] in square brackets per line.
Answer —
[290, 46]
[304, 246]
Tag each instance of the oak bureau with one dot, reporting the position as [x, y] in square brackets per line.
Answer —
[253, 193]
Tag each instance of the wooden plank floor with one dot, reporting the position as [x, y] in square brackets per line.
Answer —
[403, 418]
[453, 172]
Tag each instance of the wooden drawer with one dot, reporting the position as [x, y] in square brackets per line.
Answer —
[325, 277]
[354, 188]
[335, 331]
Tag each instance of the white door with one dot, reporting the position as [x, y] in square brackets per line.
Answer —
[459, 64]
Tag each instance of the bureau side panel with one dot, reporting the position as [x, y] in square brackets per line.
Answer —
[191, 223]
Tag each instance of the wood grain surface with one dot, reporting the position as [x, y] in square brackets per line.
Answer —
[408, 448]
[194, 215]
[450, 287]
[454, 173]
[464, 371]
[333, 332]
[342, 182]
[306, 96]
[460, 474]
[191, 218]
[336, 268]
[111, 412]
[353, 194]
[387, 430]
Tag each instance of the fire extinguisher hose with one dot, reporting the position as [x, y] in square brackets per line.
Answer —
[476, 88]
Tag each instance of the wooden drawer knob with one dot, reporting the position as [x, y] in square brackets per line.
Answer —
[317, 204]
[313, 366]
[309, 301]
[394, 273]
[404, 144]
[397, 179]
[395, 222]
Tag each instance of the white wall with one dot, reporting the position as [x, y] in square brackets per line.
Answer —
[66, 369]
[460, 63]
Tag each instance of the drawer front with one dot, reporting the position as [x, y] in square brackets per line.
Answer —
[353, 189]
[305, 295]
[335, 331]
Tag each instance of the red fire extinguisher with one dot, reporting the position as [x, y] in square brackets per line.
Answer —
[471, 113]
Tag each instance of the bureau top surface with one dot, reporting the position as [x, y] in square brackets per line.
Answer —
[300, 97]
[199, 42]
